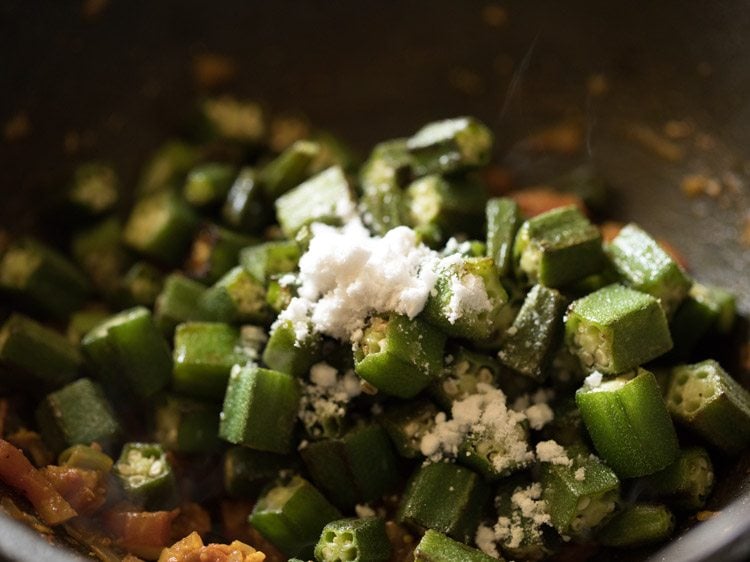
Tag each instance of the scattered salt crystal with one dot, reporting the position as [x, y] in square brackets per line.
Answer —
[553, 453]
[580, 474]
[539, 415]
[593, 380]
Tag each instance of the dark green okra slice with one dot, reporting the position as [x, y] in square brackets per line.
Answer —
[285, 353]
[637, 525]
[705, 311]
[82, 322]
[721, 301]
[186, 425]
[99, 252]
[450, 145]
[215, 251]
[685, 484]
[628, 422]
[488, 452]
[531, 341]
[168, 167]
[359, 466]
[247, 471]
[325, 198]
[467, 298]
[464, 369]
[519, 503]
[139, 286]
[399, 356]
[34, 357]
[355, 540]
[146, 477]
[269, 259]
[235, 298]
[204, 354]
[93, 190]
[129, 354]
[288, 169]
[77, 414]
[292, 514]
[176, 302]
[246, 208]
[85, 456]
[706, 400]
[256, 400]
[645, 266]
[503, 219]
[437, 547]
[160, 227]
[406, 423]
[207, 185]
[558, 248]
[581, 495]
[444, 497]
[616, 329]
[42, 280]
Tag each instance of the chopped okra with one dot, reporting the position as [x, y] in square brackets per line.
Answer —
[503, 219]
[686, 483]
[289, 169]
[463, 371]
[638, 525]
[235, 298]
[354, 540]
[450, 145]
[437, 547]
[145, 475]
[215, 251]
[208, 184]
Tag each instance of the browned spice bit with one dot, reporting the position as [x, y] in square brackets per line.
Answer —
[564, 138]
[654, 142]
[286, 129]
[17, 127]
[466, 81]
[212, 70]
[677, 129]
[494, 15]
[92, 9]
[705, 515]
[597, 85]
[695, 185]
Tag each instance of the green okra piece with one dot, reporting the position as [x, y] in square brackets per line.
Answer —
[531, 341]
[359, 466]
[257, 399]
[40, 279]
[585, 182]
[168, 167]
[637, 525]
[467, 298]
[709, 402]
[706, 310]
[487, 453]
[99, 253]
[399, 356]
[355, 540]
[146, 477]
[333, 151]
[685, 484]
[160, 227]
[207, 185]
[444, 497]
[270, 259]
[629, 424]
[450, 145]
[324, 198]
[645, 266]
[579, 496]
[203, 355]
[464, 369]
[532, 543]
[406, 423]
[228, 118]
[186, 425]
[285, 353]
[466, 249]
[292, 514]
[139, 286]
[129, 354]
[437, 547]
[93, 190]
[86, 457]
[288, 169]
[247, 471]
[503, 219]
[616, 329]
[176, 302]
[215, 251]
[34, 357]
[82, 322]
[720, 300]
[78, 413]
[246, 208]
[235, 298]
[280, 292]
[557, 248]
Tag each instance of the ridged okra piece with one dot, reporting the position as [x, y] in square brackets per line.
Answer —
[186, 425]
[616, 329]
[355, 540]
[467, 298]
[129, 354]
[464, 369]
[93, 190]
[139, 286]
[82, 322]
[706, 400]
[285, 353]
[644, 265]
[146, 477]
[34, 357]
[359, 466]
[288, 169]
[176, 302]
[399, 356]
[581, 495]
[450, 145]
[247, 471]
[42, 280]
[503, 219]
[437, 547]
[269, 259]
[685, 484]
[99, 252]
[637, 525]
[444, 497]
[77, 414]
[168, 167]
[531, 341]
[235, 298]
[215, 251]
[292, 514]
[325, 198]
[558, 248]
[160, 227]
[628, 422]
[207, 185]
[449, 205]
[204, 354]
[256, 400]
[406, 423]
[518, 502]
[246, 208]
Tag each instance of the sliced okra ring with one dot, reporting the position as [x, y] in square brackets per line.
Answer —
[235, 298]
[146, 477]
[186, 425]
[437, 547]
[503, 219]
[285, 353]
[215, 251]
[207, 185]
[637, 525]
[269, 259]
[686, 483]
[463, 371]
[288, 169]
[246, 208]
[354, 540]
[406, 423]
